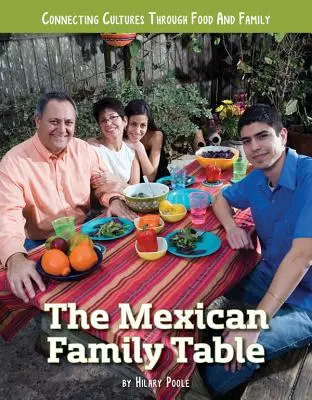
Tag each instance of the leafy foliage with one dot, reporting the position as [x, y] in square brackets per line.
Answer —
[276, 71]
[175, 108]
[124, 91]
[17, 122]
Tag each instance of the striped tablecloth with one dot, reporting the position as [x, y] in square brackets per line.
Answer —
[169, 283]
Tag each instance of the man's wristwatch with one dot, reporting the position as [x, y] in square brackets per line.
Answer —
[115, 198]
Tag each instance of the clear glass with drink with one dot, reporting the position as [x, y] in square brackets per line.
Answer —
[64, 227]
[178, 178]
[198, 203]
[239, 169]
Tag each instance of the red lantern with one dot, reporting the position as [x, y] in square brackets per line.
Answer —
[118, 39]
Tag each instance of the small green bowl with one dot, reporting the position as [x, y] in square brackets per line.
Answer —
[147, 203]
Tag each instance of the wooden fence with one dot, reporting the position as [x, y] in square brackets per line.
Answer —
[37, 62]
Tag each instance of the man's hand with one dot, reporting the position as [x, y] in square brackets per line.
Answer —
[249, 337]
[21, 272]
[238, 238]
[107, 183]
[120, 209]
[99, 179]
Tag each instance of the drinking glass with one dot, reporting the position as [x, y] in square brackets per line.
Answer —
[178, 178]
[64, 227]
[239, 169]
[198, 203]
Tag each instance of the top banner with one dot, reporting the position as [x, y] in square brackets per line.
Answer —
[160, 16]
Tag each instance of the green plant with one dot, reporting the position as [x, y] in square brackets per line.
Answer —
[174, 109]
[305, 108]
[275, 72]
[17, 122]
[86, 126]
[124, 91]
[307, 122]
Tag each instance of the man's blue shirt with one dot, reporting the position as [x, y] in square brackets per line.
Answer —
[280, 215]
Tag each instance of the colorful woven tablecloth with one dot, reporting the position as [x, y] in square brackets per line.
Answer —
[169, 283]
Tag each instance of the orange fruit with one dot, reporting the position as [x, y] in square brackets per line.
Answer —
[55, 262]
[83, 257]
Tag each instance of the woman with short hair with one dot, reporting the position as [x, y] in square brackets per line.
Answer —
[120, 159]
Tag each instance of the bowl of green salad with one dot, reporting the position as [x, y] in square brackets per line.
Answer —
[145, 197]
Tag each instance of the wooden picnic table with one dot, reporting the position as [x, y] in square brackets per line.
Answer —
[169, 283]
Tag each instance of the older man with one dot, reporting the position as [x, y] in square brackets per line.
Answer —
[279, 194]
[43, 178]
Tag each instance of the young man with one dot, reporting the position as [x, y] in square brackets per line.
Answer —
[46, 177]
[279, 193]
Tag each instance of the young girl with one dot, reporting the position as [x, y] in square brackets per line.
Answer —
[148, 142]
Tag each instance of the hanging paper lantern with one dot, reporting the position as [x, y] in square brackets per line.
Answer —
[118, 39]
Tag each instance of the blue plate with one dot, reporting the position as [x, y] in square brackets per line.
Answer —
[180, 196]
[74, 275]
[208, 244]
[91, 227]
[166, 180]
